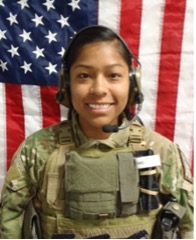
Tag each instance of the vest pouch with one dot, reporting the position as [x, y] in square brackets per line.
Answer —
[91, 186]
[128, 184]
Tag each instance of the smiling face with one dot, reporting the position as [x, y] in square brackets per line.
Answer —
[99, 84]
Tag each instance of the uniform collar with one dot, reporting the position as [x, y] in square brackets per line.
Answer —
[115, 140]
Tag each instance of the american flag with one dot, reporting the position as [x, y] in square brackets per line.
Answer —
[34, 34]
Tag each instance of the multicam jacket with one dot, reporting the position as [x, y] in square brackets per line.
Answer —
[25, 175]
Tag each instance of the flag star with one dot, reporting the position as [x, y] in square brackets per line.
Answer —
[74, 4]
[39, 52]
[1, 3]
[3, 65]
[23, 3]
[26, 67]
[63, 21]
[51, 36]
[37, 20]
[25, 35]
[13, 51]
[2, 34]
[74, 33]
[12, 19]
[61, 53]
[49, 4]
[51, 68]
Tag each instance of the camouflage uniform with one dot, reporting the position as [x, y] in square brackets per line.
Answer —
[26, 172]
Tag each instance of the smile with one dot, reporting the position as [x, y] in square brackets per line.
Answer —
[99, 106]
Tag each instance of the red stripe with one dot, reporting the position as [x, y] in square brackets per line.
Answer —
[130, 23]
[130, 26]
[15, 119]
[50, 109]
[173, 23]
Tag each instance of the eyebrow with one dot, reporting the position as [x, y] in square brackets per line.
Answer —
[90, 67]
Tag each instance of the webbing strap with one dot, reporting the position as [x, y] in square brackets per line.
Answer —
[136, 137]
[65, 133]
[148, 172]
[54, 177]
[147, 191]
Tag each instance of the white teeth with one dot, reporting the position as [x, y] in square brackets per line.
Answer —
[99, 106]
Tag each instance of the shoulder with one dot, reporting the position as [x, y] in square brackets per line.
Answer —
[175, 167]
[46, 138]
[38, 146]
[159, 143]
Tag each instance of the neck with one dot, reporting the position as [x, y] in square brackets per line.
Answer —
[95, 133]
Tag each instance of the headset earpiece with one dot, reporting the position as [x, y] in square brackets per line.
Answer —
[135, 94]
[63, 95]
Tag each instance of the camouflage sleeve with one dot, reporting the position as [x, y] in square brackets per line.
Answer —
[177, 180]
[18, 189]
[176, 177]
[185, 184]
[22, 180]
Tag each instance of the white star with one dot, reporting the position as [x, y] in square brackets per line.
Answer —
[1, 3]
[12, 19]
[63, 21]
[2, 34]
[13, 51]
[51, 68]
[37, 20]
[51, 36]
[61, 53]
[3, 65]
[23, 3]
[26, 67]
[74, 4]
[39, 52]
[25, 35]
[49, 4]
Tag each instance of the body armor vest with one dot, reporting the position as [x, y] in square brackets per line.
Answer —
[89, 192]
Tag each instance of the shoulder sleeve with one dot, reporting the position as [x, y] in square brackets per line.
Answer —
[176, 177]
[16, 192]
[22, 180]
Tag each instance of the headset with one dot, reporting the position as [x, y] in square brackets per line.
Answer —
[63, 95]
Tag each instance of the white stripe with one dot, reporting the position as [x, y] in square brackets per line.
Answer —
[63, 112]
[184, 111]
[149, 56]
[3, 155]
[109, 13]
[32, 108]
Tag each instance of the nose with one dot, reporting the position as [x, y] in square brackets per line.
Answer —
[99, 86]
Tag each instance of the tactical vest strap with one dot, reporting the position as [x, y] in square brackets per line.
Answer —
[120, 228]
[136, 137]
[65, 133]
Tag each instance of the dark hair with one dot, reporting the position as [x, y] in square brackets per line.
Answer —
[91, 35]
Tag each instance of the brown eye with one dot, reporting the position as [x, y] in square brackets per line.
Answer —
[84, 75]
[115, 76]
